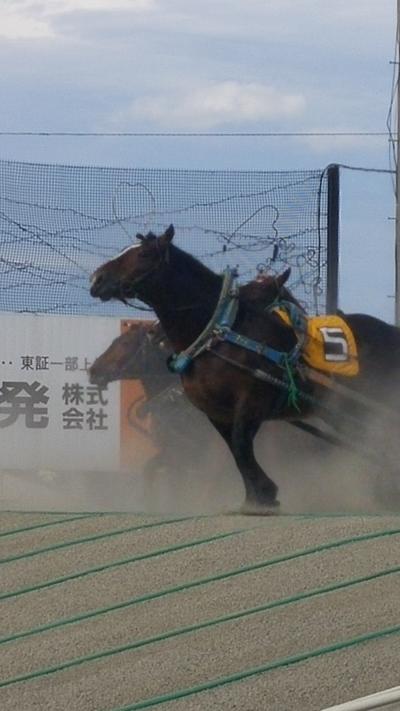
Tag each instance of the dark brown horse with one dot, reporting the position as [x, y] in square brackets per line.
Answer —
[220, 381]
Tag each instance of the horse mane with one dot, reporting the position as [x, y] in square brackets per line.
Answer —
[187, 262]
[184, 261]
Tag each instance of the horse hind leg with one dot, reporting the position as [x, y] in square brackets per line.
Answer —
[261, 491]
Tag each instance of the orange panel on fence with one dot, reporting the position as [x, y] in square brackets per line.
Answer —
[137, 445]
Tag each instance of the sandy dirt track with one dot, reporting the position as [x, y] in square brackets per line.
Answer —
[77, 566]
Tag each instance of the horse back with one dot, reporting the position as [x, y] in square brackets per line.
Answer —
[375, 337]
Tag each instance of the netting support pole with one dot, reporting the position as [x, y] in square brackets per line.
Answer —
[333, 239]
[397, 223]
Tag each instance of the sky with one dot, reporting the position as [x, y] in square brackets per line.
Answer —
[215, 66]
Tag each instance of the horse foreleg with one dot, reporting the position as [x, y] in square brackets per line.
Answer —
[260, 489]
[239, 436]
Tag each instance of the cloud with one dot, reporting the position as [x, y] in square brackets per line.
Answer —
[35, 19]
[17, 25]
[213, 105]
[57, 7]
[282, 20]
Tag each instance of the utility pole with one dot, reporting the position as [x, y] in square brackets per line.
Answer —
[397, 223]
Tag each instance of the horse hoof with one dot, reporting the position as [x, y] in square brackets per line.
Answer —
[258, 508]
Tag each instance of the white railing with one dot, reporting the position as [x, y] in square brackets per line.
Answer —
[387, 699]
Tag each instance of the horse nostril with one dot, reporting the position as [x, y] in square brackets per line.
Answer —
[96, 284]
[97, 379]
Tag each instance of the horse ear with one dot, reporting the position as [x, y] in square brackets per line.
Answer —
[281, 279]
[140, 236]
[167, 237]
[169, 233]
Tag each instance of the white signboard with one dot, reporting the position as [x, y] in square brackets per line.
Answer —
[50, 415]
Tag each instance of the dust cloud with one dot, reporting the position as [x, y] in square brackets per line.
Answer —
[199, 475]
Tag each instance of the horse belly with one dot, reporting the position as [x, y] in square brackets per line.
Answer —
[214, 404]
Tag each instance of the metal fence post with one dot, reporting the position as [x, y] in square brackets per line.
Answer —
[333, 239]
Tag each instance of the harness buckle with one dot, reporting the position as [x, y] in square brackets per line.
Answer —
[178, 363]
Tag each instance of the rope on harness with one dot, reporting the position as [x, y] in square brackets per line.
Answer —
[293, 392]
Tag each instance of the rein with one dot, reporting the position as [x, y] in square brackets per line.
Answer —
[286, 386]
[265, 377]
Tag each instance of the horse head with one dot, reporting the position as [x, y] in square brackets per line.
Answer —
[267, 289]
[123, 277]
[138, 353]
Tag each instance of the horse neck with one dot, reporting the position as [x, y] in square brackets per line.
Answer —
[185, 298]
[153, 385]
[151, 370]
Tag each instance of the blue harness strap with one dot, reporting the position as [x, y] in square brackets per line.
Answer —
[277, 357]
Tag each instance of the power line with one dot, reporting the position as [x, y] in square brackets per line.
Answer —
[362, 169]
[197, 134]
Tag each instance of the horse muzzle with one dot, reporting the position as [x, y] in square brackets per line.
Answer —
[97, 376]
[103, 288]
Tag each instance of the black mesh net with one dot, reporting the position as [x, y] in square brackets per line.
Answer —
[58, 223]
